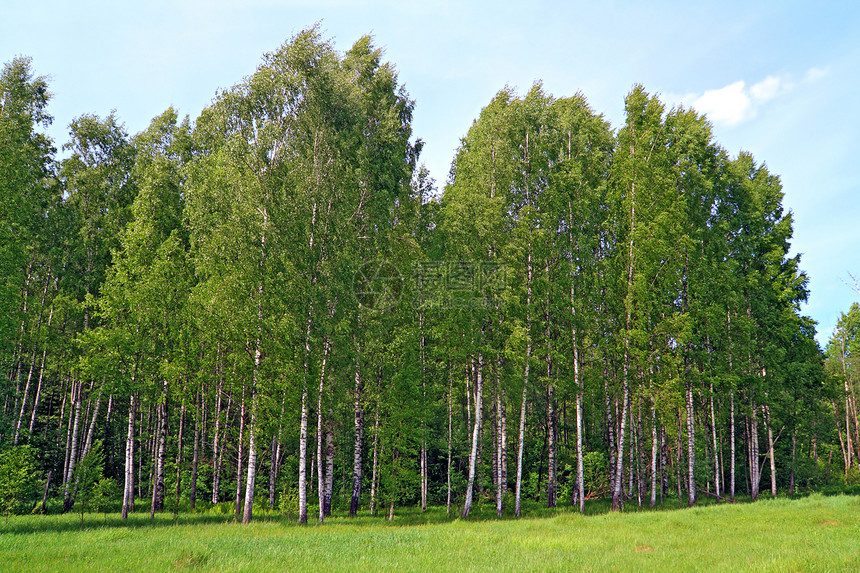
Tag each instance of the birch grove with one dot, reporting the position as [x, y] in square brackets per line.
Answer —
[276, 292]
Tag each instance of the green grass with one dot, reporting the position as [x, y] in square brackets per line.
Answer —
[816, 533]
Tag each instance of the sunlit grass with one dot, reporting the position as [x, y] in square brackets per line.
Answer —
[817, 533]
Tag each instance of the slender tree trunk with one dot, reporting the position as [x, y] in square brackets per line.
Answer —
[157, 503]
[320, 433]
[755, 478]
[717, 488]
[275, 465]
[610, 429]
[617, 502]
[179, 457]
[450, 435]
[39, 385]
[128, 489]
[473, 456]
[303, 424]
[239, 455]
[678, 454]
[329, 466]
[373, 480]
[195, 459]
[551, 485]
[793, 461]
[216, 440]
[68, 498]
[358, 443]
[691, 448]
[654, 467]
[303, 427]
[497, 450]
[247, 514]
[422, 452]
[522, 432]
[732, 444]
[846, 377]
[770, 452]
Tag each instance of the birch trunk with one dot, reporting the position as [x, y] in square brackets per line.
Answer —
[476, 433]
[373, 476]
[522, 432]
[551, 485]
[691, 448]
[252, 454]
[717, 488]
[275, 465]
[239, 455]
[128, 488]
[358, 444]
[216, 442]
[179, 457]
[329, 466]
[320, 464]
[732, 445]
[68, 497]
[653, 451]
[195, 458]
[157, 503]
[755, 478]
[450, 436]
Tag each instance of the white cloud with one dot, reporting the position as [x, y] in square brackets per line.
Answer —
[768, 88]
[737, 103]
[813, 74]
[729, 105]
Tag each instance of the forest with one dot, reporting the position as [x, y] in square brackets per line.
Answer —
[273, 306]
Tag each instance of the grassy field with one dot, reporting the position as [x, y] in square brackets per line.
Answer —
[816, 533]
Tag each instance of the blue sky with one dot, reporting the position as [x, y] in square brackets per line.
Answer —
[779, 79]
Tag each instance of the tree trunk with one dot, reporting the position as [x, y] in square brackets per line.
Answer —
[653, 451]
[770, 452]
[303, 428]
[500, 448]
[755, 478]
[157, 503]
[68, 497]
[717, 488]
[476, 433]
[128, 489]
[617, 502]
[793, 461]
[551, 485]
[450, 436]
[732, 444]
[179, 457]
[217, 447]
[195, 460]
[358, 443]
[522, 432]
[275, 465]
[691, 448]
[239, 454]
[320, 433]
[373, 476]
[252, 453]
[329, 466]
[303, 424]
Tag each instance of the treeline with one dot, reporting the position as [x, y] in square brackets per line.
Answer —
[271, 305]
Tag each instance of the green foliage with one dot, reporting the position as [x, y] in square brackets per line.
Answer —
[91, 486]
[16, 478]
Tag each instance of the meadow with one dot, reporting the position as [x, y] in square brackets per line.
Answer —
[815, 533]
